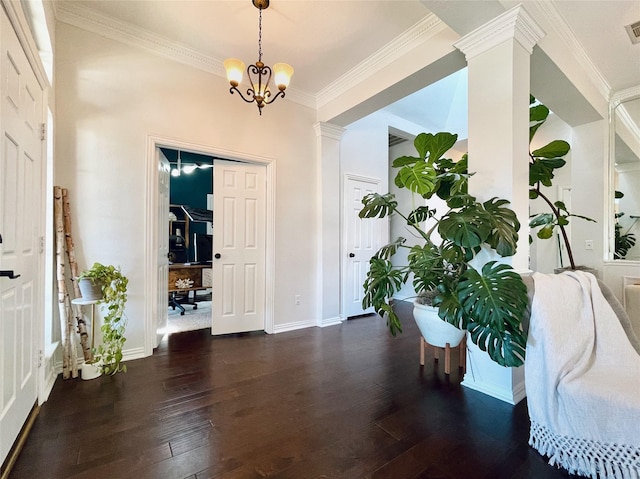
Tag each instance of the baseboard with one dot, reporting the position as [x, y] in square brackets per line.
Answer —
[131, 354]
[511, 396]
[127, 355]
[323, 323]
[282, 328]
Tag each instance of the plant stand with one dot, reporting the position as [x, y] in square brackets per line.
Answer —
[89, 370]
[439, 334]
[462, 347]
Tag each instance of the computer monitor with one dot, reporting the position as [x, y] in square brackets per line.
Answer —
[202, 247]
[177, 249]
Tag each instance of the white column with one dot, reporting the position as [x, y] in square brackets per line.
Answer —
[498, 57]
[328, 157]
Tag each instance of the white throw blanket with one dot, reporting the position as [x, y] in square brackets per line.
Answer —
[583, 380]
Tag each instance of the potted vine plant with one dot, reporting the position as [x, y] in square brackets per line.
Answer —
[113, 285]
[542, 163]
[488, 303]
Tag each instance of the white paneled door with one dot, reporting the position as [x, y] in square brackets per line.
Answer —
[239, 227]
[164, 178]
[363, 237]
[21, 219]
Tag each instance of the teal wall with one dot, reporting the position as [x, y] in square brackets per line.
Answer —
[191, 189]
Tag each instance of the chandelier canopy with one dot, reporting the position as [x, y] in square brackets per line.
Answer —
[259, 74]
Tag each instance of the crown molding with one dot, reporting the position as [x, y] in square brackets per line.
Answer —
[515, 23]
[87, 19]
[626, 94]
[328, 130]
[426, 28]
[124, 32]
[559, 24]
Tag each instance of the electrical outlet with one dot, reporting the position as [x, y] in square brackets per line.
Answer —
[296, 299]
[588, 244]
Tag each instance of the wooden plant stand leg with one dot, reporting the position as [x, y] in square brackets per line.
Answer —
[422, 346]
[447, 358]
[463, 354]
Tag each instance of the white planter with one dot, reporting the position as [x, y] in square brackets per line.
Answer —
[90, 371]
[434, 330]
[88, 290]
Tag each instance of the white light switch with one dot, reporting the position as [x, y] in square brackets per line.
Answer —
[588, 244]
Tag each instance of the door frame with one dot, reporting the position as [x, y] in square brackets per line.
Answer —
[384, 233]
[151, 241]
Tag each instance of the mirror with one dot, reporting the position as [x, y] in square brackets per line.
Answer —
[624, 165]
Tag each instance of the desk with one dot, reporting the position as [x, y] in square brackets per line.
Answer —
[198, 274]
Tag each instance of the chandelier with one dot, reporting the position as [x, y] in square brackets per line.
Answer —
[259, 74]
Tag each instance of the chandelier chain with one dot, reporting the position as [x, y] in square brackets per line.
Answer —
[260, 36]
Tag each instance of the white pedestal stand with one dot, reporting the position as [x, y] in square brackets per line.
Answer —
[89, 370]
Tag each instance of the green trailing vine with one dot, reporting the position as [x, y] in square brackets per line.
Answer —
[108, 354]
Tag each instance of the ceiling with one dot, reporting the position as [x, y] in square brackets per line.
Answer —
[324, 39]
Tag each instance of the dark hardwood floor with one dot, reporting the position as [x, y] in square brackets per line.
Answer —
[345, 401]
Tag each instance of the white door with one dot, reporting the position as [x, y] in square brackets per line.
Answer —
[164, 177]
[362, 238]
[239, 191]
[21, 220]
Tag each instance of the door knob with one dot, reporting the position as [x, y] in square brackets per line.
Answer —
[217, 256]
[9, 274]
[352, 255]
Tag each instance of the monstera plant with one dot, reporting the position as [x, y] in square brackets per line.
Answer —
[488, 302]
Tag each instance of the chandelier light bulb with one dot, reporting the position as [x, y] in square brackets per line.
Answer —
[282, 73]
[235, 70]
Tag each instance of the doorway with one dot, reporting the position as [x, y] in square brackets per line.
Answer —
[155, 287]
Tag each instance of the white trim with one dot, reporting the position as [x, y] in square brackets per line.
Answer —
[424, 29]
[509, 396]
[324, 322]
[515, 23]
[92, 21]
[560, 25]
[134, 353]
[20, 25]
[294, 326]
[328, 130]
[150, 227]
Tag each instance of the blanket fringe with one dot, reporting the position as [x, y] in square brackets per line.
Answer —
[586, 457]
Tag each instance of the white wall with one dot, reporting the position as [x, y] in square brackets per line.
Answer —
[110, 97]
[589, 143]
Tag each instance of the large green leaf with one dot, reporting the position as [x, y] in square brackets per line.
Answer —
[494, 302]
[381, 283]
[419, 178]
[378, 206]
[555, 149]
[431, 147]
[420, 214]
[538, 113]
[449, 308]
[452, 179]
[505, 226]
[404, 160]
[541, 170]
[427, 266]
[387, 251]
[468, 228]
